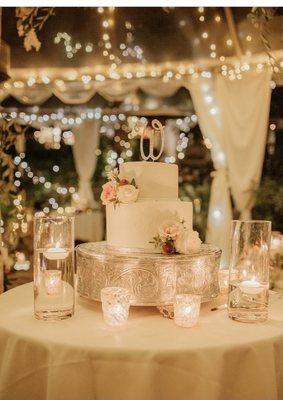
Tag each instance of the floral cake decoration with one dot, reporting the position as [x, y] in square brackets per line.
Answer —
[118, 190]
[173, 237]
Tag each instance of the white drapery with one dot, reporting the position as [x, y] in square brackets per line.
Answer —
[245, 110]
[203, 93]
[78, 92]
[84, 150]
[233, 115]
[171, 138]
[88, 225]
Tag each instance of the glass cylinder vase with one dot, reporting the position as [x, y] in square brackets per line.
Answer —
[249, 271]
[53, 267]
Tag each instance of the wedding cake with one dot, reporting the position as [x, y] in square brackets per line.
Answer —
[151, 248]
[143, 211]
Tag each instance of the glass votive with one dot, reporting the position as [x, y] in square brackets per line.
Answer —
[223, 280]
[186, 309]
[53, 267]
[249, 271]
[115, 305]
[53, 281]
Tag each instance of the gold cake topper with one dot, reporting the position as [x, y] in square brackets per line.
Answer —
[140, 129]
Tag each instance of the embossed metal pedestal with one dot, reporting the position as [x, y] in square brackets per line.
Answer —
[152, 279]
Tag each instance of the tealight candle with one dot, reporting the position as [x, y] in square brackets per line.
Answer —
[53, 281]
[115, 305]
[251, 286]
[56, 253]
[186, 309]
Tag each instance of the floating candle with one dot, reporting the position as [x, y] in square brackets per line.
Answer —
[251, 286]
[56, 253]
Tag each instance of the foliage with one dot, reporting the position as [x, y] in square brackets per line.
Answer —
[269, 203]
[260, 16]
[29, 21]
[12, 214]
[9, 132]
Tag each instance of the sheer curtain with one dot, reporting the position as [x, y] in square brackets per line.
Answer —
[233, 115]
[88, 225]
[245, 107]
[203, 93]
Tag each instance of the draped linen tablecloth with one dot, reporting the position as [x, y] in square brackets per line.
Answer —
[83, 359]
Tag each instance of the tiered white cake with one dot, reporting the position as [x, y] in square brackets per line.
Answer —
[144, 216]
[133, 225]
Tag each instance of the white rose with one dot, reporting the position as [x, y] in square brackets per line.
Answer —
[187, 242]
[127, 194]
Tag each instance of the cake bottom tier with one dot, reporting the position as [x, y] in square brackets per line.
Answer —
[152, 279]
[133, 226]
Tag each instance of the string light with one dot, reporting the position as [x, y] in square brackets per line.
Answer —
[70, 49]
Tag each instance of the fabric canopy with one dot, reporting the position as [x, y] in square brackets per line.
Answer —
[78, 92]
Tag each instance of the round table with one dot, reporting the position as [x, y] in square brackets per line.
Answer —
[150, 358]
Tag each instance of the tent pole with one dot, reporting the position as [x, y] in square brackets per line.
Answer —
[233, 31]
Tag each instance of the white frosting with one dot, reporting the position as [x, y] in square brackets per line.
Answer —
[134, 225]
[155, 180]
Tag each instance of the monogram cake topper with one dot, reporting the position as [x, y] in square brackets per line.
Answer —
[157, 127]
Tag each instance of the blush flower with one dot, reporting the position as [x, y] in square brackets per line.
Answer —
[109, 192]
[170, 230]
[127, 193]
[187, 242]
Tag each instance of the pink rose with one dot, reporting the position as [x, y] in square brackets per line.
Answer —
[109, 192]
[170, 230]
[187, 242]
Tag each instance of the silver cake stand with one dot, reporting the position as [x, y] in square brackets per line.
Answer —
[152, 279]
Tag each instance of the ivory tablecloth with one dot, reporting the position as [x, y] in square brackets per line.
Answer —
[151, 358]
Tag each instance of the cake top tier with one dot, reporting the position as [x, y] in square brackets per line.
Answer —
[155, 180]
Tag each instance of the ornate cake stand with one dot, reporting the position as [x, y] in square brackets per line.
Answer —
[152, 279]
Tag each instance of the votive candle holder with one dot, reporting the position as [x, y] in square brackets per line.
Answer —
[53, 267]
[186, 309]
[223, 280]
[249, 271]
[115, 305]
[53, 281]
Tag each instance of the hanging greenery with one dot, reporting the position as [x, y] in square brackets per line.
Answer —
[30, 20]
[260, 17]
[12, 197]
